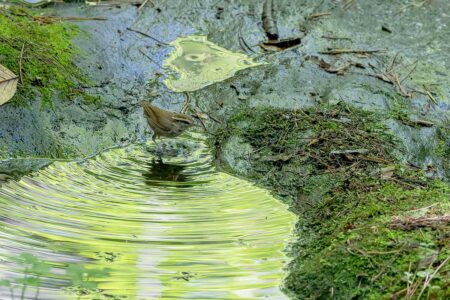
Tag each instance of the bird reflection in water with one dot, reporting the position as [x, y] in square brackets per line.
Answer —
[161, 174]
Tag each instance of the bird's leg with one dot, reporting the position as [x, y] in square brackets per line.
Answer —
[154, 137]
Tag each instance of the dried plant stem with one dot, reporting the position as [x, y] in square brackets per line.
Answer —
[20, 63]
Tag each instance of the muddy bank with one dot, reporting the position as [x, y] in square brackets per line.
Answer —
[272, 115]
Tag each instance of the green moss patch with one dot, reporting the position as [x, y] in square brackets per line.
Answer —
[369, 228]
[40, 51]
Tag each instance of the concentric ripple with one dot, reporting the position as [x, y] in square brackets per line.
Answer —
[162, 229]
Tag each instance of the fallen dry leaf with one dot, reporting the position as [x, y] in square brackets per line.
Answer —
[281, 45]
[8, 84]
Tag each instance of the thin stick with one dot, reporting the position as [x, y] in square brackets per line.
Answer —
[142, 5]
[84, 18]
[243, 43]
[318, 15]
[20, 63]
[410, 72]
[203, 124]
[149, 36]
[151, 59]
[427, 92]
[336, 38]
[213, 118]
[348, 4]
[402, 182]
[427, 282]
[186, 103]
[346, 51]
[426, 207]
[393, 61]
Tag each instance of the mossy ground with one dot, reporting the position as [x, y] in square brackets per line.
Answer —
[369, 228]
[40, 51]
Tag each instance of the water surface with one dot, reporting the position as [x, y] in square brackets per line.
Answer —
[162, 229]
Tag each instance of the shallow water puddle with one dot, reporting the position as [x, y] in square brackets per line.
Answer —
[200, 63]
[125, 225]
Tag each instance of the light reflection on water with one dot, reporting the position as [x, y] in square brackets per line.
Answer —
[170, 229]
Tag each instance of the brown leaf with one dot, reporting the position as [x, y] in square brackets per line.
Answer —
[281, 45]
[339, 70]
[324, 65]
[8, 84]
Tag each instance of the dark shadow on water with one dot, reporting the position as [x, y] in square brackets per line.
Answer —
[162, 174]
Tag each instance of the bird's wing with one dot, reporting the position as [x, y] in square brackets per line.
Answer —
[154, 118]
[161, 126]
[183, 119]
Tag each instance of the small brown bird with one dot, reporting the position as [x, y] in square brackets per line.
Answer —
[165, 122]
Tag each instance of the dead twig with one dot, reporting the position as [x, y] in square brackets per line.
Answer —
[428, 93]
[338, 51]
[409, 223]
[20, 63]
[424, 208]
[429, 278]
[391, 76]
[319, 15]
[349, 151]
[416, 5]
[186, 103]
[142, 5]
[54, 19]
[410, 72]
[84, 18]
[335, 70]
[243, 43]
[348, 3]
[105, 3]
[336, 37]
[374, 159]
[151, 59]
[149, 36]
[201, 121]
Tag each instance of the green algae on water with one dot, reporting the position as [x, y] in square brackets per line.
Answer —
[200, 63]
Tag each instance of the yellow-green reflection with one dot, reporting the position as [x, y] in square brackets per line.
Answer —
[171, 229]
[199, 63]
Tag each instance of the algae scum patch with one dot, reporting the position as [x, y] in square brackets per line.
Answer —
[200, 63]
[126, 225]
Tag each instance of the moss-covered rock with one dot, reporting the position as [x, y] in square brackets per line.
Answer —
[75, 100]
[40, 51]
[369, 228]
